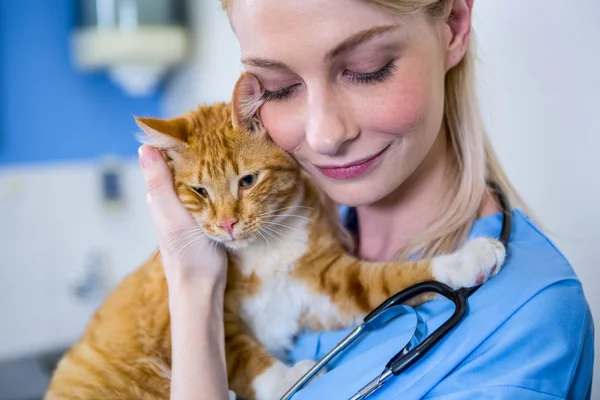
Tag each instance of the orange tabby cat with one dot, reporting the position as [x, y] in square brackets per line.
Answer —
[288, 267]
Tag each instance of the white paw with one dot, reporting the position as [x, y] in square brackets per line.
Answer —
[279, 378]
[478, 260]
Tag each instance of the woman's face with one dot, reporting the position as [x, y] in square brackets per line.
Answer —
[355, 92]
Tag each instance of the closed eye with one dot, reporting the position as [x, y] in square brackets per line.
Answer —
[375, 76]
[279, 94]
[356, 77]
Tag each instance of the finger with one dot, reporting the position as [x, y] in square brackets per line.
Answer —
[167, 211]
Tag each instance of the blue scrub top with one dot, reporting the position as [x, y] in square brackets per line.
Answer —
[528, 335]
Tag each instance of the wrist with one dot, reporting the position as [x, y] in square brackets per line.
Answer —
[198, 296]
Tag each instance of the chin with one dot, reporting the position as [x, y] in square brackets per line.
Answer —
[237, 244]
[357, 193]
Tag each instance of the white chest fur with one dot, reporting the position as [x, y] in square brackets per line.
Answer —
[274, 313]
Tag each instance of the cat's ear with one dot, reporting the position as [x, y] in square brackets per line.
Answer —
[169, 135]
[247, 99]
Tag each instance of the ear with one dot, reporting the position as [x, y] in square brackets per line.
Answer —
[458, 30]
[169, 135]
[246, 102]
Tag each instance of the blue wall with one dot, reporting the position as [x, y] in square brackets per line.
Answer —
[49, 111]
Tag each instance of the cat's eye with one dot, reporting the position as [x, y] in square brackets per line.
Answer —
[248, 180]
[200, 190]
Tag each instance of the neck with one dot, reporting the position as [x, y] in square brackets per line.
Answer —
[387, 226]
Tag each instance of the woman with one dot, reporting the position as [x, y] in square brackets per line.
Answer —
[375, 99]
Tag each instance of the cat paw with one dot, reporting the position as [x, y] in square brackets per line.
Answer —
[475, 263]
[279, 378]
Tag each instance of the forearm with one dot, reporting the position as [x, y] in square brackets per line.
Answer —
[198, 350]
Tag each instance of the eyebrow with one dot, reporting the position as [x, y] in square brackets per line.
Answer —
[344, 47]
[264, 63]
[358, 39]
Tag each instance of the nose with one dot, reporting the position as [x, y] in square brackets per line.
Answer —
[227, 224]
[327, 124]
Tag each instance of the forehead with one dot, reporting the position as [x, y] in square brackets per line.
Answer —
[266, 28]
[224, 154]
[214, 154]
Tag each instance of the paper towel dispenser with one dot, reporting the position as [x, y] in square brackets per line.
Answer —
[136, 41]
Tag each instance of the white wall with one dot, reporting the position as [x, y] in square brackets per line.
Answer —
[215, 63]
[540, 92]
[51, 219]
[540, 89]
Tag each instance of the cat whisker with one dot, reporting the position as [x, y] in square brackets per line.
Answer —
[285, 226]
[272, 236]
[264, 237]
[155, 254]
[284, 208]
[185, 233]
[177, 240]
[277, 211]
[194, 240]
[182, 229]
[273, 232]
[272, 229]
[300, 188]
[294, 216]
[189, 246]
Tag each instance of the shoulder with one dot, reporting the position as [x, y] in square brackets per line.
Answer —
[545, 349]
[543, 344]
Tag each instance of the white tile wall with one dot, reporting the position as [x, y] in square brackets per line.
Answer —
[51, 217]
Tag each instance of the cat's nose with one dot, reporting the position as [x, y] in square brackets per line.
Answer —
[227, 224]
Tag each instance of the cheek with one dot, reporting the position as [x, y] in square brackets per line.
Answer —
[202, 210]
[284, 122]
[206, 218]
[247, 206]
[401, 106]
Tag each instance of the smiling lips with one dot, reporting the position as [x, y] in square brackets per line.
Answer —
[353, 170]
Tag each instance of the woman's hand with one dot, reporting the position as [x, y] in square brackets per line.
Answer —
[196, 272]
[188, 256]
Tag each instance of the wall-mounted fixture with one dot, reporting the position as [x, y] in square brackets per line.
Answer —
[136, 41]
[111, 185]
[91, 285]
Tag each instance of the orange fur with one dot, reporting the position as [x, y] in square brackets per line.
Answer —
[286, 244]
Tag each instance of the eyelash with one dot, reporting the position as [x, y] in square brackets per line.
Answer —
[278, 94]
[377, 76]
[371, 77]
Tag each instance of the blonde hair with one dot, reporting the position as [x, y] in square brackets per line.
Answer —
[474, 160]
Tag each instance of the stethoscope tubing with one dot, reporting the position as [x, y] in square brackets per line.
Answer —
[391, 308]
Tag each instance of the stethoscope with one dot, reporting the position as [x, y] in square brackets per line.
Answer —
[419, 343]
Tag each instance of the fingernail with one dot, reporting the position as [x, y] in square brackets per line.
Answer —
[147, 155]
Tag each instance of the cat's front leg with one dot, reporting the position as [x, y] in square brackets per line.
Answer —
[356, 287]
[253, 373]
[476, 262]
[279, 378]
[256, 375]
